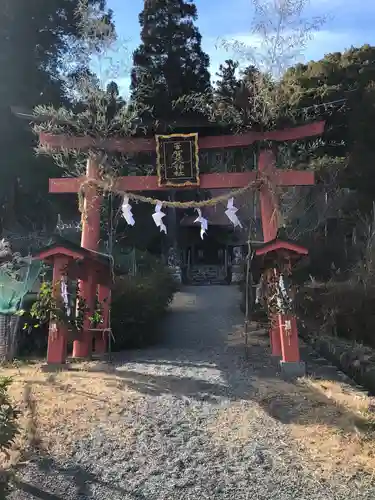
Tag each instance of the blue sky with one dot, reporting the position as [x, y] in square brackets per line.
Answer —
[349, 23]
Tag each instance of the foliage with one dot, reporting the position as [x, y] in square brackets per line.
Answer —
[340, 309]
[139, 304]
[37, 38]
[9, 429]
[341, 88]
[98, 109]
[227, 85]
[46, 308]
[99, 112]
[346, 306]
[262, 101]
[8, 417]
[49, 308]
[170, 62]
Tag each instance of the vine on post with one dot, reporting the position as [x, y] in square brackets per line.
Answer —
[49, 308]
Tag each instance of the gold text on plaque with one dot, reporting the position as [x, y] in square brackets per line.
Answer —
[177, 160]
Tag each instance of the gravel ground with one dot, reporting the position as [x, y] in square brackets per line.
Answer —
[184, 385]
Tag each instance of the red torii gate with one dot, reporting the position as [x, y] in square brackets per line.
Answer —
[266, 169]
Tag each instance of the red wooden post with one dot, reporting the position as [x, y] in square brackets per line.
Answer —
[101, 340]
[273, 177]
[90, 240]
[58, 332]
[283, 327]
[268, 202]
[91, 220]
[289, 339]
[82, 347]
[275, 336]
[274, 329]
[291, 361]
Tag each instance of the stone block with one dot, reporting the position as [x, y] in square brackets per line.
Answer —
[291, 370]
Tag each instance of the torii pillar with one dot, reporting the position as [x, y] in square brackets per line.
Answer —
[283, 327]
[90, 240]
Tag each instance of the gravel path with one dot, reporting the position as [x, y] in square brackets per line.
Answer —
[181, 449]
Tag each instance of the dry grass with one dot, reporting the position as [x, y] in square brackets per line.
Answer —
[329, 423]
[60, 408]
[332, 425]
[328, 420]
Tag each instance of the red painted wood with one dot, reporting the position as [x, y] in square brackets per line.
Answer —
[268, 199]
[90, 237]
[150, 183]
[133, 145]
[122, 145]
[294, 178]
[58, 332]
[91, 226]
[208, 181]
[82, 347]
[66, 184]
[91, 223]
[295, 133]
[275, 335]
[267, 196]
[81, 272]
[101, 338]
[281, 245]
[56, 252]
[289, 339]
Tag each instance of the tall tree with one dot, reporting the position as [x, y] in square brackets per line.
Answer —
[170, 62]
[227, 85]
[341, 87]
[36, 37]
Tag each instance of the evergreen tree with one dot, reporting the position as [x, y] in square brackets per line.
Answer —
[341, 87]
[170, 62]
[228, 84]
[35, 38]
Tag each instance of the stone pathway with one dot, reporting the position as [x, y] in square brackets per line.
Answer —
[199, 428]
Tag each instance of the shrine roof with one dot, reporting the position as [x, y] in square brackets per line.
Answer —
[263, 249]
[61, 246]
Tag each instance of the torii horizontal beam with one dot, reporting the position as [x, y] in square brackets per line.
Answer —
[207, 181]
[137, 144]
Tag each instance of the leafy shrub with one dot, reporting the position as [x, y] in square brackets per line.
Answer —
[8, 430]
[138, 304]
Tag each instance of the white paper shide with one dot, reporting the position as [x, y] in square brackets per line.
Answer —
[203, 222]
[158, 216]
[127, 212]
[231, 213]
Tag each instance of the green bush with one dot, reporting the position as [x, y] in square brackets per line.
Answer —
[9, 430]
[138, 305]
